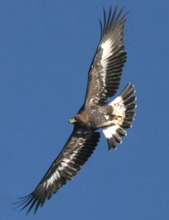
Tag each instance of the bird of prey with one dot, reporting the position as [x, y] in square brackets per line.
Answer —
[113, 119]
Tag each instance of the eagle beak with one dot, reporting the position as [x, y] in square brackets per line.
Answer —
[73, 120]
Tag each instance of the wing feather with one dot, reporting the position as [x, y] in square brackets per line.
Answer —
[75, 153]
[106, 68]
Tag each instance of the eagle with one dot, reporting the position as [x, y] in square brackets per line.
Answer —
[96, 113]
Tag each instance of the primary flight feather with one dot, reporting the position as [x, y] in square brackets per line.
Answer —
[103, 82]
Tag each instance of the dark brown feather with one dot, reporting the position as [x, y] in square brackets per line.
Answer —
[76, 152]
[105, 72]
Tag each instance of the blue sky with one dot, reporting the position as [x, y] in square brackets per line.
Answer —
[45, 51]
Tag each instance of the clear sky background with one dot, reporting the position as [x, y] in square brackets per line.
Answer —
[45, 51]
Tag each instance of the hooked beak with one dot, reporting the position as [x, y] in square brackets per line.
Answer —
[73, 120]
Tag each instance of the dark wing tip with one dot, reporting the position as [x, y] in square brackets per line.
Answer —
[40, 194]
[111, 18]
[29, 202]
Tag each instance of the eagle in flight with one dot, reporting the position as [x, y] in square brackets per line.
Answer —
[114, 118]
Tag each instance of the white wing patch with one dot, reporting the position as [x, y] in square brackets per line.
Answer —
[52, 179]
[107, 52]
[114, 135]
[118, 110]
[110, 131]
[56, 175]
[107, 49]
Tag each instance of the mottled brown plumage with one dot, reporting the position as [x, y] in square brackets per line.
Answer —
[103, 81]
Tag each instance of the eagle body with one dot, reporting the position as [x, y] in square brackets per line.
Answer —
[113, 118]
[94, 117]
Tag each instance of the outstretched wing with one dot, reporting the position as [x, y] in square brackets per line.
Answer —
[106, 68]
[75, 153]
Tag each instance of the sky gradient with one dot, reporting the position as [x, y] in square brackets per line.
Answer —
[46, 48]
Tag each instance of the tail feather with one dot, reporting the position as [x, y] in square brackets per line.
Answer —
[123, 115]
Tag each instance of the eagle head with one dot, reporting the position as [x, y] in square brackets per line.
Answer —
[79, 119]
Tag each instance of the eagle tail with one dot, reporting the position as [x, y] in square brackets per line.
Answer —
[123, 115]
